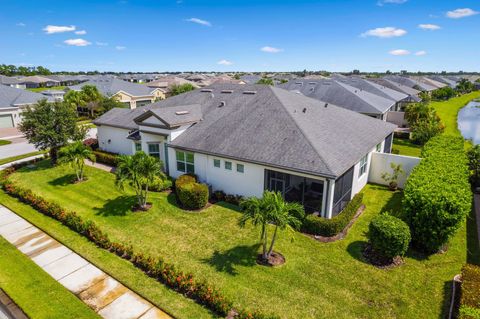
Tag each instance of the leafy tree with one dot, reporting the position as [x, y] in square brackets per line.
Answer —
[182, 88]
[271, 209]
[139, 170]
[424, 122]
[75, 154]
[51, 126]
[443, 94]
[465, 86]
[108, 103]
[474, 164]
[265, 81]
[92, 98]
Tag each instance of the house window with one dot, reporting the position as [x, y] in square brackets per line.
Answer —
[228, 165]
[138, 147]
[185, 162]
[240, 168]
[216, 163]
[153, 150]
[378, 148]
[363, 165]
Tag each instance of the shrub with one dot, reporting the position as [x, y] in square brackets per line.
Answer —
[193, 195]
[160, 184]
[470, 296]
[185, 179]
[437, 195]
[330, 227]
[106, 157]
[389, 236]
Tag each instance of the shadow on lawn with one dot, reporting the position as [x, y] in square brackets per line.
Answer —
[64, 180]
[356, 248]
[473, 249]
[237, 256]
[117, 207]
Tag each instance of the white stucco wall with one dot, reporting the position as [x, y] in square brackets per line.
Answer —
[380, 163]
[147, 138]
[359, 182]
[118, 140]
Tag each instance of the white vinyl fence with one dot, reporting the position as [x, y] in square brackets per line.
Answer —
[381, 163]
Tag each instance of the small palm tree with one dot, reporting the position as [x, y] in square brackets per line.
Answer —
[271, 209]
[75, 154]
[74, 99]
[139, 171]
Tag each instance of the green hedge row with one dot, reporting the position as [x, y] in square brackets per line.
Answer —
[437, 195]
[470, 293]
[106, 157]
[192, 195]
[330, 227]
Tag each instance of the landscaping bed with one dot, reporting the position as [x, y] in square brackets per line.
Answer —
[334, 280]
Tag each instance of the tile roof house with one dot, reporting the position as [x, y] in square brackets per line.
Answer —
[132, 94]
[243, 139]
[13, 101]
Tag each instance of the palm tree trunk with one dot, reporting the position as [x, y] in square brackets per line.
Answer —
[264, 243]
[273, 242]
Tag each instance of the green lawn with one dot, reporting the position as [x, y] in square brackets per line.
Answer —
[5, 142]
[19, 157]
[318, 281]
[60, 88]
[33, 290]
[406, 147]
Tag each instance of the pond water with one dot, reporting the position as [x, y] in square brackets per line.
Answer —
[469, 121]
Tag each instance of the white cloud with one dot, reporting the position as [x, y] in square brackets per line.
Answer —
[270, 49]
[225, 62]
[421, 53]
[387, 32]
[120, 47]
[200, 21]
[461, 13]
[21, 24]
[101, 44]
[51, 29]
[399, 52]
[81, 32]
[77, 42]
[382, 2]
[431, 27]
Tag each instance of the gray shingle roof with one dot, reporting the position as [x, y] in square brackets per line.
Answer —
[364, 84]
[412, 83]
[270, 127]
[7, 80]
[13, 97]
[412, 93]
[174, 116]
[109, 86]
[340, 94]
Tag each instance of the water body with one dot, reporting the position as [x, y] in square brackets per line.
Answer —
[469, 121]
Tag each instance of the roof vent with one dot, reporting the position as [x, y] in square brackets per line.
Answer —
[227, 91]
[222, 103]
[299, 83]
[249, 92]
[206, 90]
[326, 104]
[312, 83]
[304, 110]
[182, 112]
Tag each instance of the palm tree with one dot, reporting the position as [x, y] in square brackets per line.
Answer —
[271, 209]
[139, 171]
[92, 97]
[74, 99]
[75, 154]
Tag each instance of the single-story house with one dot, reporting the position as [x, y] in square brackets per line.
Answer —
[13, 101]
[132, 94]
[412, 83]
[56, 95]
[36, 81]
[413, 95]
[343, 95]
[244, 139]
[12, 82]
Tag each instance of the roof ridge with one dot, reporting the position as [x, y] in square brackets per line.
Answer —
[274, 90]
[364, 92]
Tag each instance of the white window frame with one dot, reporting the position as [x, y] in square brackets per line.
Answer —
[363, 166]
[182, 159]
[154, 154]
[137, 144]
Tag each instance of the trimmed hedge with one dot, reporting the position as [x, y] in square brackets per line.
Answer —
[106, 157]
[220, 196]
[192, 195]
[470, 293]
[157, 268]
[389, 236]
[437, 195]
[330, 227]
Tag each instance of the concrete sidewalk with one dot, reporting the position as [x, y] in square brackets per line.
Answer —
[105, 295]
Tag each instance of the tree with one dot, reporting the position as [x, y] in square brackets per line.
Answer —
[139, 170]
[465, 86]
[108, 103]
[51, 126]
[75, 154]
[392, 178]
[92, 98]
[474, 164]
[182, 88]
[271, 209]
[74, 99]
[424, 122]
[265, 81]
[443, 94]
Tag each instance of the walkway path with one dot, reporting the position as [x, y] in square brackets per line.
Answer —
[103, 167]
[104, 294]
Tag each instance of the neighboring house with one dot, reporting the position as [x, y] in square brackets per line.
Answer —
[133, 95]
[343, 95]
[166, 83]
[66, 80]
[430, 81]
[250, 78]
[12, 82]
[244, 139]
[36, 81]
[412, 83]
[56, 95]
[413, 95]
[448, 81]
[13, 101]
[139, 77]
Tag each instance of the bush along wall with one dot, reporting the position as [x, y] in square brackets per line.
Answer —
[157, 268]
[320, 226]
[106, 158]
[437, 194]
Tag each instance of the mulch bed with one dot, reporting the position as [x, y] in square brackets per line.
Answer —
[379, 261]
[275, 259]
[341, 234]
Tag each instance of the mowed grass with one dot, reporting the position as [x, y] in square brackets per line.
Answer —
[19, 157]
[34, 291]
[406, 147]
[41, 89]
[319, 280]
[5, 142]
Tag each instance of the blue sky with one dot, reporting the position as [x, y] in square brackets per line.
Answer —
[244, 35]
